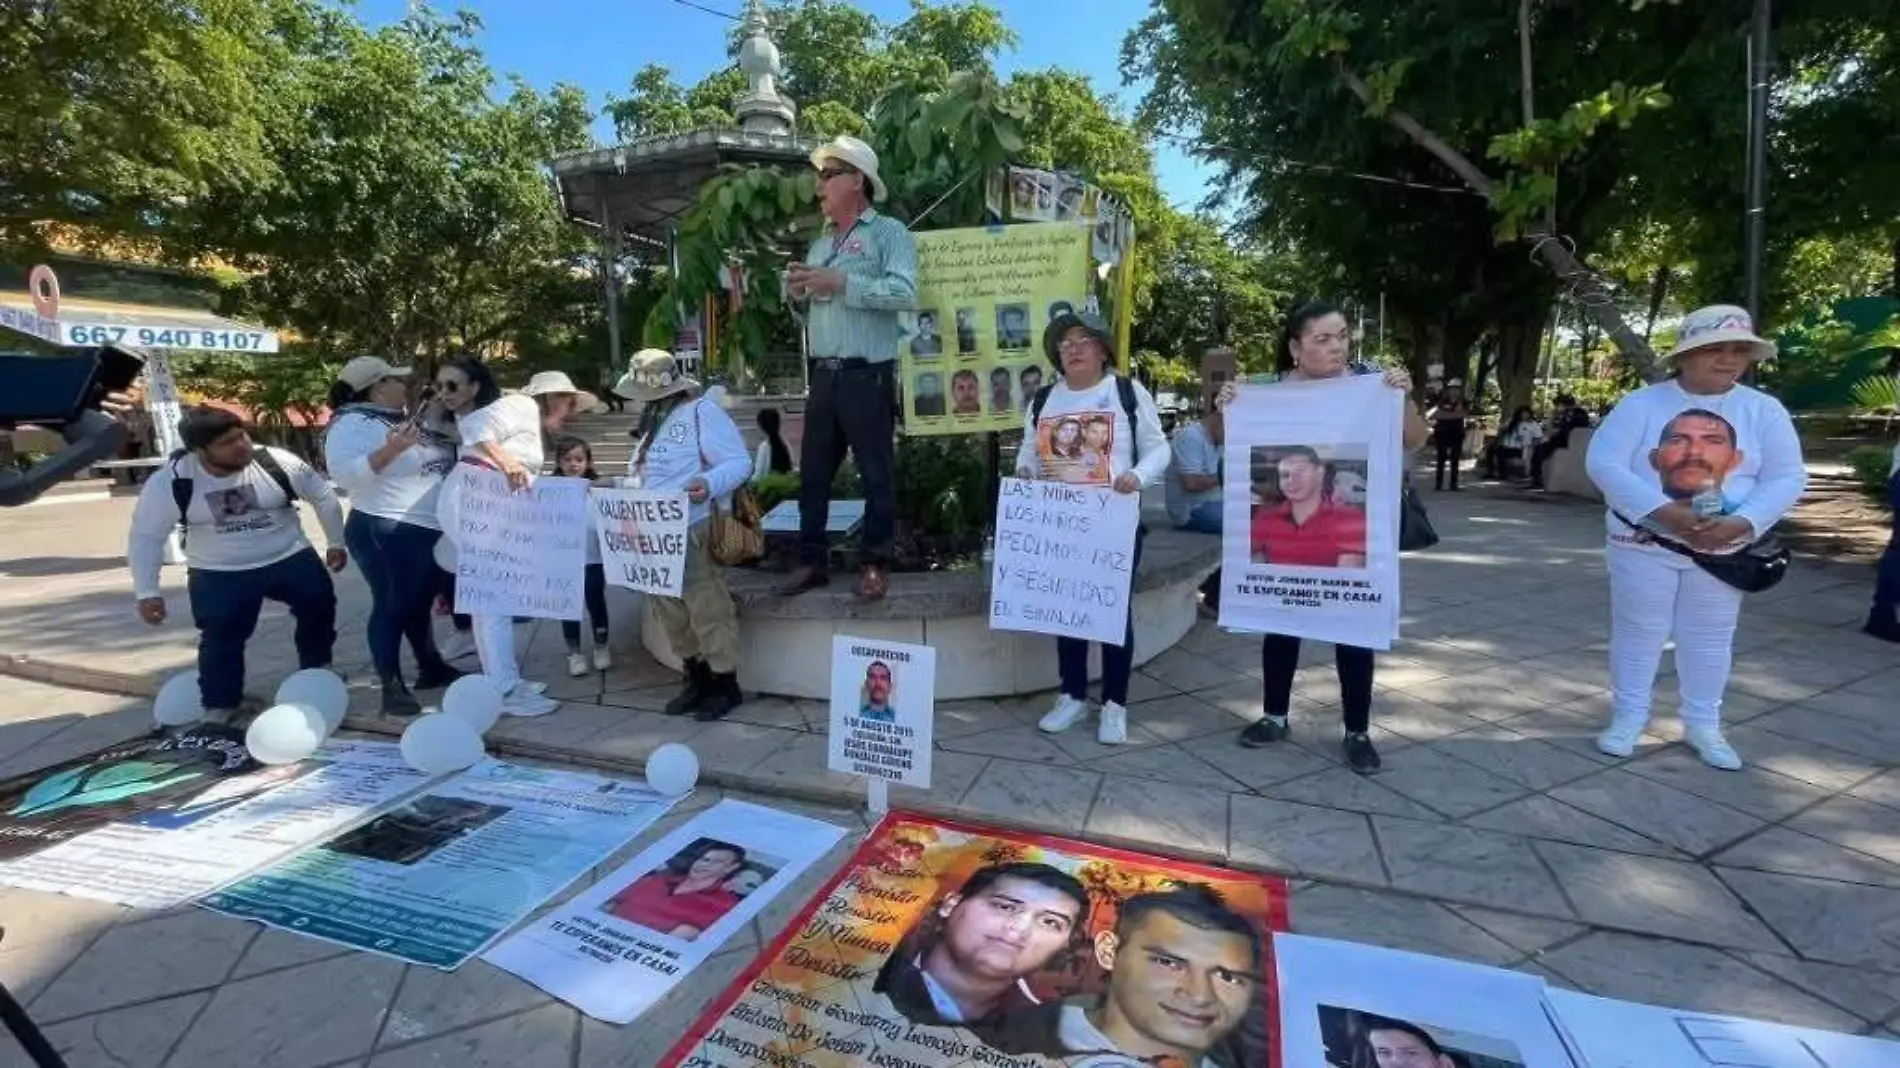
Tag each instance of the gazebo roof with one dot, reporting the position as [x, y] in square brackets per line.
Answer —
[644, 186]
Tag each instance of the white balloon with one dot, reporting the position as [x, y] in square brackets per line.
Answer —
[475, 700]
[285, 734]
[673, 769]
[440, 744]
[177, 702]
[321, 689]
[445, 554]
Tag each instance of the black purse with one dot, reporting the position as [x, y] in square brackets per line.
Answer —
[1757, 566]
[1415, 526]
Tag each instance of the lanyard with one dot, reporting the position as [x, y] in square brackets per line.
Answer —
[838, 240]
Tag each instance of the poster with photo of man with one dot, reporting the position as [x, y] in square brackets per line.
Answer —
[942, 944]
[883, 709]
[1310, 503]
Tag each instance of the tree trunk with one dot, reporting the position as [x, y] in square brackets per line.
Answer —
[1518, 343]
[1659, 290]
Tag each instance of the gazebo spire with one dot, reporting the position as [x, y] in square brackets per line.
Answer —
[761, 108]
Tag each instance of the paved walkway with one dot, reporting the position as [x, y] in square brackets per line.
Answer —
[1496, 832]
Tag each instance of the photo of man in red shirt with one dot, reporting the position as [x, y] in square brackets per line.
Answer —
[1306, 527]
[684, 896]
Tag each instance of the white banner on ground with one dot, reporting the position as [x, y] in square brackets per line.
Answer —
[642, 538]
[167, 856]
[883, 709]
[1624, 1034]
[1064, 559]
[1311, 511]
[440, 876]
[621, 946]
[519, 554]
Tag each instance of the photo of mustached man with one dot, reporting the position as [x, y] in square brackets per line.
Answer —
[965, 962]
[1695, 454]
[1184, 971]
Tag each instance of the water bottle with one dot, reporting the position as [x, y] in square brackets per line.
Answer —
[1707, 503]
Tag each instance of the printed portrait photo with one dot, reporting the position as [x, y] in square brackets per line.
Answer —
[966, 394]
[1012, 326]
[1695, 454]
[876, 696]
[231, 505]
[925, 340]
[927, 394]
[693, 889]
[1077, 447]
[1309, 505]
[1002, 390]
[413, 832]
[1031, 379]
[1356, 1039]
[966, 332]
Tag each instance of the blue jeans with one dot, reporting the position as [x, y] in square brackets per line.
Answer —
[1887, 586]
[398, 559]
[1204, 519]
[225, 605]
[1072, 654]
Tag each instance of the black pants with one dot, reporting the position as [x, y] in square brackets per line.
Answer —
[1280, 658]
[1118, 661]
[225, 605]
[1448, 440]
[849, 408]
[1540, 455]
[595, 587]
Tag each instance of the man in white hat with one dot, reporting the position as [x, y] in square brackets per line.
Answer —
[860, 274]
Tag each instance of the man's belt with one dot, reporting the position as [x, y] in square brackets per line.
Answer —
[843, 363]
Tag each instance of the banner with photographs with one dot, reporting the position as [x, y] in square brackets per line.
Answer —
[1311, 508]
[942, 944]
[438, 877]
[883, 709]
[984, 295]
[624, 944]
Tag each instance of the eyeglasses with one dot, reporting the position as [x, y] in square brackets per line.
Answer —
[1075, 344]
[829, 173]
[447, 385]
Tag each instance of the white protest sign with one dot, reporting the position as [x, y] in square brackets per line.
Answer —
[519, 554]
[883, 709]
[1310, 511]
[1064, 560]
[642, 538]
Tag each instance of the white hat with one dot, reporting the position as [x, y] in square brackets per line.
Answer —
[652, 374]
[1716, 324]
[558, 382]
[852, 153]
[365, 371]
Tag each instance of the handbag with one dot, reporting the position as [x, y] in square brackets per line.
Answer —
[1415, 526]
[1755, 567]
[735, 534]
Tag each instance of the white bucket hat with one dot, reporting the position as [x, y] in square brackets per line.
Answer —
[1716, 324]
[558, 382]
[854, 154]
[652, 374]
[365, 371]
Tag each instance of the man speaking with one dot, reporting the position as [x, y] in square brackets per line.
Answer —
[859, 275]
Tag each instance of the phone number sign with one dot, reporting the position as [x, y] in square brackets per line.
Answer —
[161, 336]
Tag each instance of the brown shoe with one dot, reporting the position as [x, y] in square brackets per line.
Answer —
[874, 582]
[802, 578]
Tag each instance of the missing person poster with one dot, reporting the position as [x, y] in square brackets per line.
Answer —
[642, 538]
[883, 709]
[441, 875]
[1065, 559]
[519, 553]
[974, 355]
[624, 944]
[1311, 509]
[944, 944]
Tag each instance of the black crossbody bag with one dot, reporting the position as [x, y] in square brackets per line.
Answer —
[1755, 567]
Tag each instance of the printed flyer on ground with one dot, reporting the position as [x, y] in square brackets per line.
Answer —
[984, 294]
[942, 944]
[438, 877]
[624, 944]
[164, 848]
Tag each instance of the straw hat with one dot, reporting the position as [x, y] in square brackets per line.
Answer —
[854, 154]
[1720, 323]
[652, 374]
[557, 382]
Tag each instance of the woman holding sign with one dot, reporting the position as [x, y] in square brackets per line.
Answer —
[1314, 348]
[1092, 428]
[688, 443]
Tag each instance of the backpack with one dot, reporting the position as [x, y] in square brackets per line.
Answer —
[1124, 386]
[181, 486]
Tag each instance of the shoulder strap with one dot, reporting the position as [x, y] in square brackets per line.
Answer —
[277, 474]
[1035, 405]
[181, 492]
[1655, 539]
[1126, 387]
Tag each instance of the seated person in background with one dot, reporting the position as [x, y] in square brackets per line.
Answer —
[1516, 439]
[1194, 475]
[1569, 416]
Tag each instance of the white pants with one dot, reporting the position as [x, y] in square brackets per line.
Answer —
[1654, 595]
[494, 635]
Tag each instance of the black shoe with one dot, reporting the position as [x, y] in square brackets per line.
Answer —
[1360, 756]
[397, 700]
[438, 676]
[722, 697]
[1264, 732]
[1887, 630]
[698, 688]
[801, 580]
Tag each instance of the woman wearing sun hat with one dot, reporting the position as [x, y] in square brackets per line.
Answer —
[689, 444]
[1705, 463]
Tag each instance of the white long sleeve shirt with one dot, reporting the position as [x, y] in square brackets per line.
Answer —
[697, 438]
[512, 423]
[233, 522]
[405, 490]
[1767, 478]
[1084, 436]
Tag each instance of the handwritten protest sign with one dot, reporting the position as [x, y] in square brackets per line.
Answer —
[642, 538]
[1064, 560]
[883, 708]
[519, 554]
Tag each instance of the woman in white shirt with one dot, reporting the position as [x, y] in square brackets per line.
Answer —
[1708, 464]
[689, 444]
[1092, 428]
[392, 467]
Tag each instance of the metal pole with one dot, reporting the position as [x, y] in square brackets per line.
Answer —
[1760, 77]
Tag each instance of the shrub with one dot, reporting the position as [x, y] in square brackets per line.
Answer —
[775, 489]
[1871, 464]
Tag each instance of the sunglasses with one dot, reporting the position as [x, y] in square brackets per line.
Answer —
[447, 385]
[829, 173]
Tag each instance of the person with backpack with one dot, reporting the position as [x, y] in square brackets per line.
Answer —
[1092, 427]
[243, 546]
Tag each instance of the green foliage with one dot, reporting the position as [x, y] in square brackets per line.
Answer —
[1879, 395]
[775, 489]
[1824, 359]
[295, 381]
[941, 486]
[1870, 464]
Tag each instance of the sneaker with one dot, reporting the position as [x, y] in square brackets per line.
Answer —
[1113, 730]
[603, 659]
[1064, 715]
[531, 686]
[1713, 748]
[577, 665]
[435, 678]
[1360, 756]
[524, 702]
[458, 645]
[1264, 732]
[1619, 739]
[221, 717]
